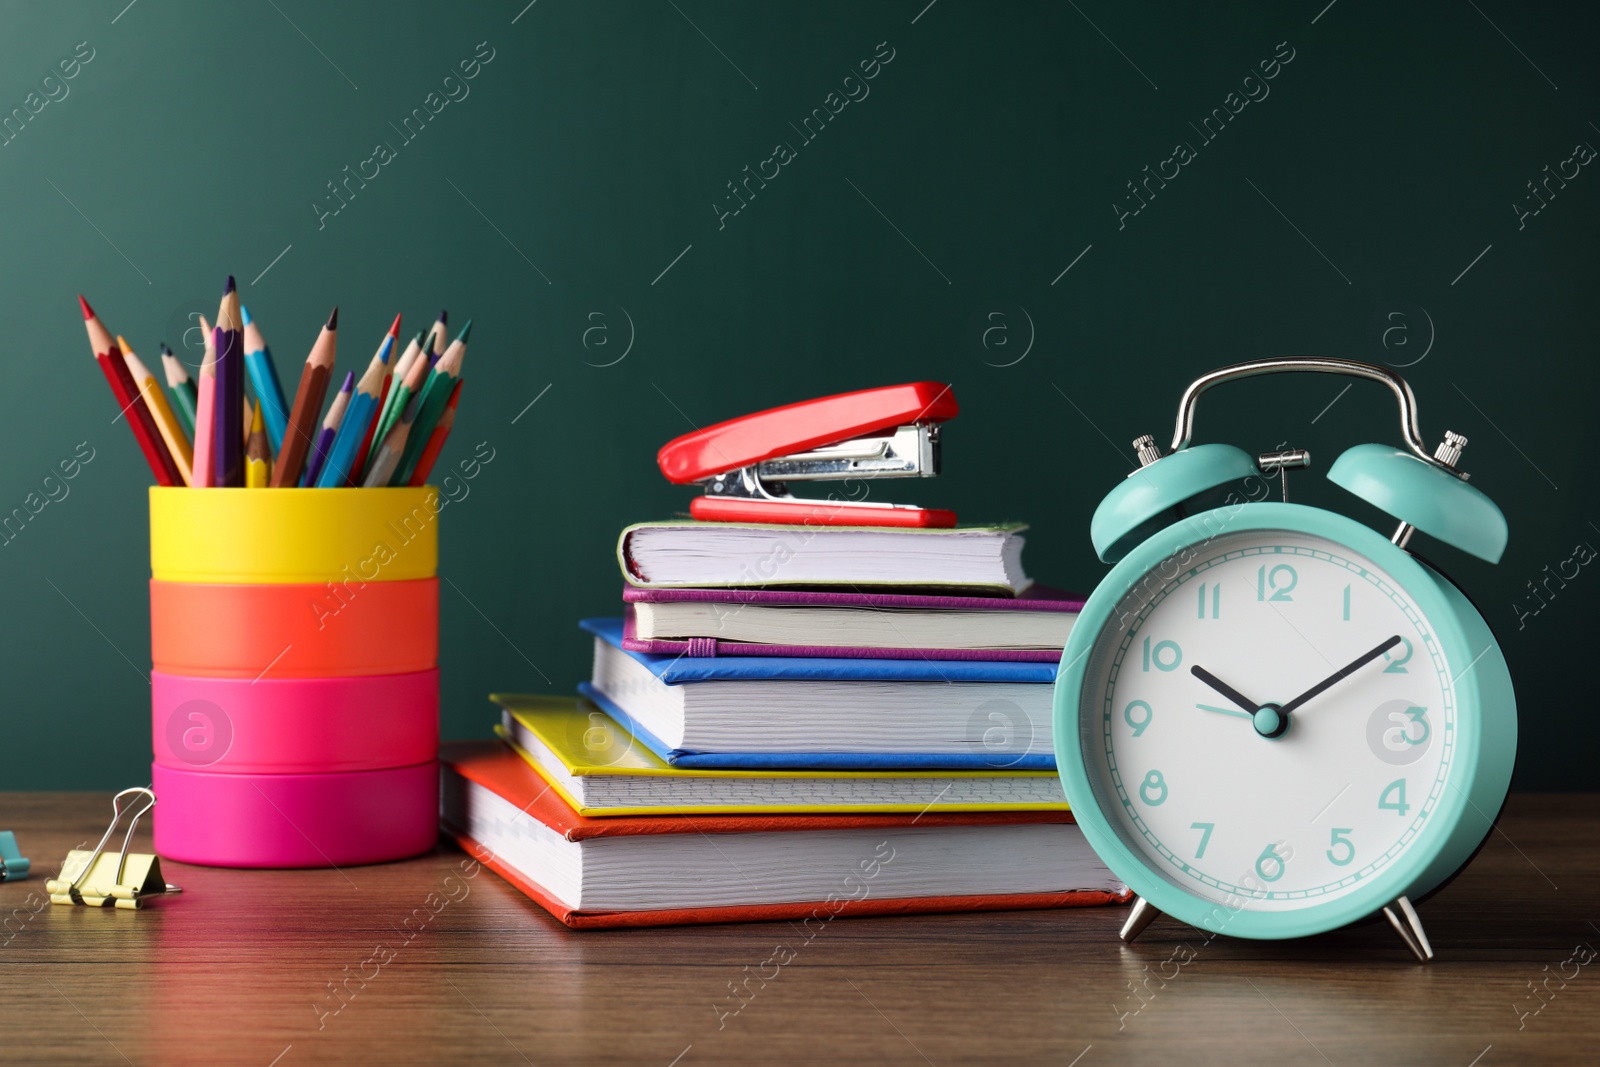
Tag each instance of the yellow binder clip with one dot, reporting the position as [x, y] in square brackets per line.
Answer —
[123, 880]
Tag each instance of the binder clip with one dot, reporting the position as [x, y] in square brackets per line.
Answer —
[14, 865]
[745, 464]
[123, 880]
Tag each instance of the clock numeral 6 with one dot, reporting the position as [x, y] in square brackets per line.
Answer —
[1340, 838]
[1138, 725]
[1166, 655]
[1399, 665]
[1153, 790]
[1269, 855]
[1396, 789]
[1279, 582]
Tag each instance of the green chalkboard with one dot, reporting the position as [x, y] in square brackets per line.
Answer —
[663, 214]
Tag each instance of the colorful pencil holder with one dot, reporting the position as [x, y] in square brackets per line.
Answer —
[295, 696]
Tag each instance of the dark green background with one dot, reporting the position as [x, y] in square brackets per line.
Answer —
[595, 145]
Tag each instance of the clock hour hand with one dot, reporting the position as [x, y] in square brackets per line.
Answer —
[1225, 689]
[1341, 674]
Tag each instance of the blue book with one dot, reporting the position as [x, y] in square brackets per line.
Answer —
[752, 712]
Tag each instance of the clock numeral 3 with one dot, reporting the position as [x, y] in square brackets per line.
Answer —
[1397, 789]
[1138, 725]
[1216, 600]
[1153, 790]
[1279, 582]
[1269, 855]
[1399, 665]
[1398, 737]
[1340, 838]
[1166, 655]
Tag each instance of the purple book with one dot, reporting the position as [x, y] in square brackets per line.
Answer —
[1032, 627]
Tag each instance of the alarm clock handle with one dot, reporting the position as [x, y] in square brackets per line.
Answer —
[1183, 432]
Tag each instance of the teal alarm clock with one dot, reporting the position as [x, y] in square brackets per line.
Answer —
[1272, 720]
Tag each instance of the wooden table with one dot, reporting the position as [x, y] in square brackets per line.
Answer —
[237, 970]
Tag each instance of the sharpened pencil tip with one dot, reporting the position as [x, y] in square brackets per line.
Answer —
[444, 317]
[123, 345]
[244, 313]
[165, 351]
[333, 320]
[394, 330]
[230, 287]
[466, 331]
[349, 381]
[88, 312]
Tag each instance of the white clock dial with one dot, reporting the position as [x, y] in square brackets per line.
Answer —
[1189, 771]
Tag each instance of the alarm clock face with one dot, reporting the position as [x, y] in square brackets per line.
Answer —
[1268, 720]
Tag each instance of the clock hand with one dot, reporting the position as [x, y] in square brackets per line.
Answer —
[1224, 711]
[1225, 689]
[1341, 674]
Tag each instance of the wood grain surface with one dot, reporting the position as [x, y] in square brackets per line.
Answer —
[240, 969]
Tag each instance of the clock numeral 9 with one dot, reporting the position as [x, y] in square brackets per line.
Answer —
[1397, 789]
[1279, 582]
[1138, 725]
[1269, 855]
[1399, 665]
[1166, 655]
[1340, 838]
[1153, 790]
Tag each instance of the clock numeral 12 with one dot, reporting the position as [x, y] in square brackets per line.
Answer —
[1397, 788]
[1216, 600]
[1279, 581]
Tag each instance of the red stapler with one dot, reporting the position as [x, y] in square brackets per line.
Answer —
[746, 463]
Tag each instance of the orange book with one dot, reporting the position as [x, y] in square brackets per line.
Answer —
[657, 870]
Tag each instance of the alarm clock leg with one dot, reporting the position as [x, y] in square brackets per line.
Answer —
[1142, 914]
[1403, 917]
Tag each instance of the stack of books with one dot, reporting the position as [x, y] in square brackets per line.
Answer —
[792, 722]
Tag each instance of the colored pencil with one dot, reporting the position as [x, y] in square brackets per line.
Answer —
[167, 424]
[228, 452]
[352, 477]
[358, 416]
[402, 367]
[205, 416]
[257, 455]
[438, 335]
[264, 380]
[435, 395]
[301, 431]
[386, 457]
[330, 430]
[181, 388]
[130, 401]
[436, 439]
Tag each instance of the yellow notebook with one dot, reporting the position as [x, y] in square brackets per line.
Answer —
[600, 769]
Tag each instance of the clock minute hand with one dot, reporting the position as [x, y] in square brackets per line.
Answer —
[1225, 689]
[1341, 674]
